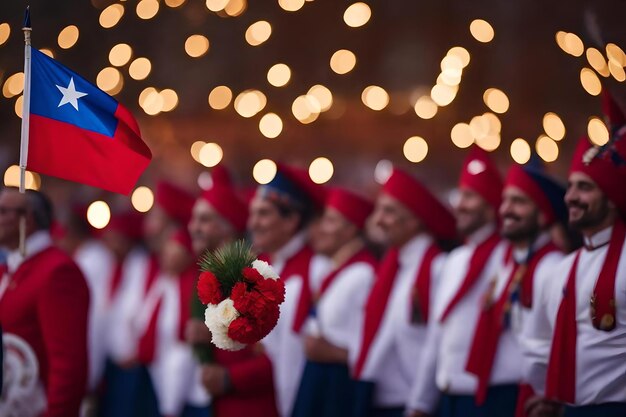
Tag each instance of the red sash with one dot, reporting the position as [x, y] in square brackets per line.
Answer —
[420, 296]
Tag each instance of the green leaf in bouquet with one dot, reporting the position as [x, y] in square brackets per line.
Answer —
[227, 262]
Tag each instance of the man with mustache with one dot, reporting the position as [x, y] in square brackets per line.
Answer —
[583, 306]
[531, 203]
[466, 275]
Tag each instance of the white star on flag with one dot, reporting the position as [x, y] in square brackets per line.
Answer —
[70, 95]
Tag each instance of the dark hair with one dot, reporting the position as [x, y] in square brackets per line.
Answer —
[41, 209]
[306, 213]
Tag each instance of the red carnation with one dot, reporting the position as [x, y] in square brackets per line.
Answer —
[250, 303]
[252, 275]
[209, 289]
[244, 330]
[272, 290]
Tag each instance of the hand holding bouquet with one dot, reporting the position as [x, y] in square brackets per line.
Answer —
[242, 295]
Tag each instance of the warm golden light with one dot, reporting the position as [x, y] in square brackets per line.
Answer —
[211, 154]
[461, 135]
[279, 75]
[195, 149]
[597, 62]
[250, 102]
[120, 54]
[425, 107]
[343, 61]
[235, 8]
[496, 100]
[98, 214]
[306, 109]
[271, 125]
[170, 99]
[109, 80]
[68, 37]
[147, 9]
[144, 95]
[617, 71]
[32, 180]
[220, 97]
[415, 149]
[560, 40]
[482, 31]
[323, 96]
[547, 149]
[216, 5]
[520, 151]
[357, 14]
[153, 103]
[140, 69]
[573, 44]
[196, 45]
[264, 171]
[111, 16]
[258, 33]
[461, 53]
[174, 3]
[291, 5]
[375, 97]
[615, 54]
[597, 131]
[142, 199]
[443, 94]
[47, 52]
[13, 85]
[19, 106]
[5, 31]
[321, 170]
[553, 126]
[590, 81]
[480, 127]
[489, 142]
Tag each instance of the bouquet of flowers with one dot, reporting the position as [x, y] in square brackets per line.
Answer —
[242, 295]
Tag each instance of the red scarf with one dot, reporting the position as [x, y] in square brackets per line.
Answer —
[300, 264]
[420, 296]
[477, 263]
[146, 348]
[491, 322]
[561, 378]
[116, 279]
[153, 271]
[376, 303]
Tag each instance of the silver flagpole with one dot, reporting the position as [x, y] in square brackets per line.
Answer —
[25, 123]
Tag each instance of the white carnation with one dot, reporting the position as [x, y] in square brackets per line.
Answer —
[265, 269]
[217, 319]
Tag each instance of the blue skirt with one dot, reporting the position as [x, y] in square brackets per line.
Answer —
[326, 390]
[597, 410]
[501, 402]
[120, 391]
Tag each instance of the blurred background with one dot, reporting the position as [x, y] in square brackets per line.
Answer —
[345, 88]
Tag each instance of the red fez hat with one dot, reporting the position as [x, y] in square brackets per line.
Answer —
[293, 186]
[611, 110]
[599, 164]
[352, 206]
[481, 175]
[546, 193]
[225, 200]
[176, 202]
[422, 203]
[127, 223]
[182, 237]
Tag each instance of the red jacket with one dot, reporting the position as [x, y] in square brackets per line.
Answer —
[252, 392]
[47, 305]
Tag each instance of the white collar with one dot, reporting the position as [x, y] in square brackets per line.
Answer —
[520, 255]
[292, 247]
[418, 244]
[35, 243]
[599, 239]
[481, 235]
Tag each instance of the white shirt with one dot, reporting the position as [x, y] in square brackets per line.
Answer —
[600, 356]
[96, 263]
[340, 309]
[283, 345]
[393, 358]
[444, 357]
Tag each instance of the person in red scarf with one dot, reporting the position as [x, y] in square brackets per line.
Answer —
[466, 276]
[335, 320]
[584, 305]
[240, 382]
[280, 214]
[399, 306]
[44, 302]
[531, 204]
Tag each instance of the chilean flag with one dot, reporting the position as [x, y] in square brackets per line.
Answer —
[79, 133]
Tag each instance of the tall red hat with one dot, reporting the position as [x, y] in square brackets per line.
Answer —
[176, 202]
[545, 192]
[605, 166]
[224, 199]
[293, 186]
[127, 223]
[182, 237]
[416, 197]
[352, 206]
[481, 175]
[611, 110]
